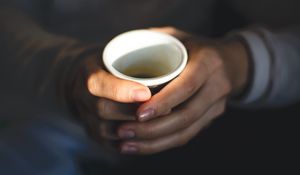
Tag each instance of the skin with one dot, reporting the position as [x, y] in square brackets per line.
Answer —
[150, 124]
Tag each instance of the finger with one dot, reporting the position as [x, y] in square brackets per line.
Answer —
[174, 140]
[107, 130]
[171, 31]
[103, 84]
[98, 129]
[180, 89]
[178, 120]
[111, 110]
[106, 135]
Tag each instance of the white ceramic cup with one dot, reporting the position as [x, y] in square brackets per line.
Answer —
[145, 50]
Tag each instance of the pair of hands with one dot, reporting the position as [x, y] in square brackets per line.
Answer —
[124, 112]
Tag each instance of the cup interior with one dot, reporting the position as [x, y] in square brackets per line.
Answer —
[144, 56]
[152, 61]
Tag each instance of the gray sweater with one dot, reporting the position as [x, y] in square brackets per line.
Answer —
[43, 41]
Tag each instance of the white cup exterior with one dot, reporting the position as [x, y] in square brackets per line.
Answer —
[129, 42]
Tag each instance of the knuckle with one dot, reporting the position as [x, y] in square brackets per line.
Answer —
[92, 85]
[191, 87]
[211, 60]
[217, 61]
[95, 83]
[186, 116]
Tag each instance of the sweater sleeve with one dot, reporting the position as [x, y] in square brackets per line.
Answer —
[275, 59]
[35, 61]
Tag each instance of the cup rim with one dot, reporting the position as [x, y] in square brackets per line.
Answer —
[150, 82]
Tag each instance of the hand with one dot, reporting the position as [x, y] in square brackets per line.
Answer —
[176, 114]
[103, 100]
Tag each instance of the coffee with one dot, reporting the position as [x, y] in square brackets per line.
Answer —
[142, 64]
[143, 72]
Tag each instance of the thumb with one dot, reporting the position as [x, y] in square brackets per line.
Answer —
[103, 84]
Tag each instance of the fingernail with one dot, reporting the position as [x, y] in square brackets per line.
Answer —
[146, 115]
[129, 149]
[141, 95]
[126, 134]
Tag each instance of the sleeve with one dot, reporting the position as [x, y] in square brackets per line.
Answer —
[35, 61]
[274, 75]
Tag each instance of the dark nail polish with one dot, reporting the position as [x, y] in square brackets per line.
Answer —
[126, 134]
[146, 115]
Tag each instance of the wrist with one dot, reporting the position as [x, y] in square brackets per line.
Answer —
[236, 61]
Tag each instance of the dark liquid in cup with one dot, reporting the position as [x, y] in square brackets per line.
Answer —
[144, 71]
